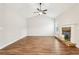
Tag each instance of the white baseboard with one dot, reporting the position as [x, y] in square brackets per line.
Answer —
[3, 46]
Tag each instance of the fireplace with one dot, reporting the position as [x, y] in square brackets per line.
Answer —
[66, 31]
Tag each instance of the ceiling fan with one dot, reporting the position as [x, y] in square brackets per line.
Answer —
[40, 11]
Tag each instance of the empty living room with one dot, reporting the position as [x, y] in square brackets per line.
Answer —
[39, 29]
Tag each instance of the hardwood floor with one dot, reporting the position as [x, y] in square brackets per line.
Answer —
[39, 45]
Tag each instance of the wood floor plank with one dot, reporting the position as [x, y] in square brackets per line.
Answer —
[39, 45]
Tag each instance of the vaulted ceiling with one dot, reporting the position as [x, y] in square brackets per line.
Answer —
[27, 9]
[54, 9]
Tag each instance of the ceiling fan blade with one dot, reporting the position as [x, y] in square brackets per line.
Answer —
[44, 13]
[45, 10]
[38, 9]
[35, 12]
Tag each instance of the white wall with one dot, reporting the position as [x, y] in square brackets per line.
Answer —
[14, 26]
[70, 18]
[40, 25]
[2, 22]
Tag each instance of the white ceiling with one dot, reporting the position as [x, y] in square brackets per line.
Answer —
[54, 9]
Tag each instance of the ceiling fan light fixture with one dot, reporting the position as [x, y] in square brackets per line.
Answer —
[40, 13]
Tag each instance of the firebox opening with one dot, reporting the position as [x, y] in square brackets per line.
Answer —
[66, 31]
